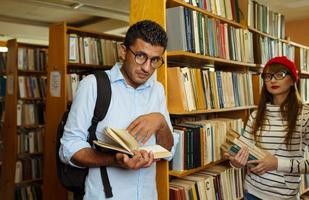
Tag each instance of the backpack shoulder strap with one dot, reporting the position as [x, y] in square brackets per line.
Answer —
[104, 94]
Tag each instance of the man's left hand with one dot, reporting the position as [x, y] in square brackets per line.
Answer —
[145, 125]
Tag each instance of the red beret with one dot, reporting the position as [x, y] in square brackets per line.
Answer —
[283, 60]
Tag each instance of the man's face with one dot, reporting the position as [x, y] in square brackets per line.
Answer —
[137, 74]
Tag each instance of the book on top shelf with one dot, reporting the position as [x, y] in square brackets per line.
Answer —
[122, 141]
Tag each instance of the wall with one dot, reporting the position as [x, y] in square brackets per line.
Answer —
[298, 31]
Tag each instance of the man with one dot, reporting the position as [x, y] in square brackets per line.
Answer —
[137, 104]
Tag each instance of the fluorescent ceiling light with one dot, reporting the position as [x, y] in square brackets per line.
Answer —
[3, 49]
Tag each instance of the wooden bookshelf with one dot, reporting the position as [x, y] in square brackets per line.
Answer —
[59, 64]
[3, 56]
[11, 128]
[156, 11]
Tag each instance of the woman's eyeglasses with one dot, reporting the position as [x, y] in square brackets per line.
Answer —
[278, 75]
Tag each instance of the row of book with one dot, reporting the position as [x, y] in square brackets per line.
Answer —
[304, 89]
[197, 89]
[201, 34]
[32, 86]
[200, 141]
[228, 9]
[96, 51]
[216, 183]
[30, 114]
[304, 60]
[28, 169]
[30, 192]
[266, 48]
[3, 58]
[30, 141]
[265, 20]
[32, 59]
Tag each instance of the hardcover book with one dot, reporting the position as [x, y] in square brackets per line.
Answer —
[123, 142]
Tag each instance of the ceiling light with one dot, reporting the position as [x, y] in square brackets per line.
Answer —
[76, 6]
[3, 49]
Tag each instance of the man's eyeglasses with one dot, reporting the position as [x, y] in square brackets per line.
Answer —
[141, 58]
[278, 75]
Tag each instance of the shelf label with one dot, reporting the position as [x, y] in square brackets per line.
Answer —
[55, 83]
[10, 85]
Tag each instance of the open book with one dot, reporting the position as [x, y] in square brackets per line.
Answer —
[234, 142]
[123, 142]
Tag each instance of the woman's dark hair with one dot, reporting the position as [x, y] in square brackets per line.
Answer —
[289, 108]
[147, 30]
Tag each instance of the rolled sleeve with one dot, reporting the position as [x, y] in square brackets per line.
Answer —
[79, 119]
[176, 140]
[284, 165]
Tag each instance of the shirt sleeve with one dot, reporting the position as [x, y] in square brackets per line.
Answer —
[79, 119]
[297, 166]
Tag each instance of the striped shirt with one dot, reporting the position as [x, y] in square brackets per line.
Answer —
[284, 182]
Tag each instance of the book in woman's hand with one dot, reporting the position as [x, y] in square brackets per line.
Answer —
[124, 142]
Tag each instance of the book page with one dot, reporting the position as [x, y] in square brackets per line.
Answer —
[158, 151]
[125, 136]
[105, 147]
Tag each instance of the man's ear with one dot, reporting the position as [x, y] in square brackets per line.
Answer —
[122, 52]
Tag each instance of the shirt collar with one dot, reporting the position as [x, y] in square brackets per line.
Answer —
[116, 75]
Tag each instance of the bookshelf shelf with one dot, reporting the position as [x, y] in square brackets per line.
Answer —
[262, 33]
[87, 66]
[197, 59]
[213, 110]
[191, 171]
[31, 72]
[27, 182]
[175, 3]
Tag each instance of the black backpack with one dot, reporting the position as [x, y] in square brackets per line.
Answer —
[73, 178]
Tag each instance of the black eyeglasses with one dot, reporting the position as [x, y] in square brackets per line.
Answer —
[278, 75]
[141, 58]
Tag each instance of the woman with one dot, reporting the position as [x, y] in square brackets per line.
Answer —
[279, 127]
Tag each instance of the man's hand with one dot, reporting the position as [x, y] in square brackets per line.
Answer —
[269, 163]
[145, 125]
[141, 159]
[240, 159]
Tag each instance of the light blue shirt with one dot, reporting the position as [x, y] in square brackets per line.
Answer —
[127, 104]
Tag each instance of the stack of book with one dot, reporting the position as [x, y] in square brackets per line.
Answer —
[234, 142]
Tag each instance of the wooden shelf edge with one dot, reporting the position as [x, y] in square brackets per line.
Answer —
[175, 3]
[190, 55]
[191, 171]
[71, 29]
[27, 182]
[264, 34]
[211, 110]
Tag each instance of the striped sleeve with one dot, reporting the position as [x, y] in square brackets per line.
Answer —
[297, 166]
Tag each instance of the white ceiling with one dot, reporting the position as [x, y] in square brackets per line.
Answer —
[28, 20]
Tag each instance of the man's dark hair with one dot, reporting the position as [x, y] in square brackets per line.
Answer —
[147, 30]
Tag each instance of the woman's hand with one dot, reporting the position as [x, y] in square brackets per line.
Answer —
[240, 159]
[269, 163]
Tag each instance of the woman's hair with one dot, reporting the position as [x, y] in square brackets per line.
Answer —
[289, 108]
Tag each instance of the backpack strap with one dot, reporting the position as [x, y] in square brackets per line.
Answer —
[104, 93]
